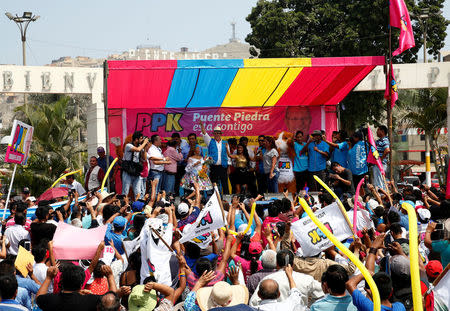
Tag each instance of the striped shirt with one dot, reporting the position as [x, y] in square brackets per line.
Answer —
[382, 144]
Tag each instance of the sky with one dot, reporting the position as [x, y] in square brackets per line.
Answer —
[97, 28]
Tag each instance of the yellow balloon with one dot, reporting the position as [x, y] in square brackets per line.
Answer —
[348, 253]
[107, 172]
[250, 221]
[341, 206]
[64, 176]
[413, 256]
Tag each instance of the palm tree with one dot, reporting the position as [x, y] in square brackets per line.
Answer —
[54, 146]
[425, 109]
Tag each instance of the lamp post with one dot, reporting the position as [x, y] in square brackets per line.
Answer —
[23, 22]
[422, 19]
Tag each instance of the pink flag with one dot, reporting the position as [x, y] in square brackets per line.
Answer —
[373, 156]
[399, 18]
[70, 242]
[391, 92]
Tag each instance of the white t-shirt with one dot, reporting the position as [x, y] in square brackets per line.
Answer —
[77, 187]
[155, 152]
[40, 271]
[15, 234]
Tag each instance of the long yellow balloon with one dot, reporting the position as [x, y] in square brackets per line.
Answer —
[64, 176]
[348, 253]
[250, 221]
[413, 257]
[341, 206]
[107, 172]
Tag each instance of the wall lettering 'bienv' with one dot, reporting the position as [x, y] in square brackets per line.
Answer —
[22, 81]
[68, 82]
[7, 80]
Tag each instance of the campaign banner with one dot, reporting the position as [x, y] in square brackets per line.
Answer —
[312, 240]
[70, 242]
[209, 219]
[234, 122]
[19, 146]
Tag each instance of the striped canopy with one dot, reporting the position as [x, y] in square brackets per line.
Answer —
[235, 82]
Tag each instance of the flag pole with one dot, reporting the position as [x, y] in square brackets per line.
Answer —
[9, 191]
[389, 102]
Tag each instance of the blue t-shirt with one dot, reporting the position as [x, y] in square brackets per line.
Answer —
[102, 162]
[382, 144]
[340, 154]
[357, 159]
[116, 238]
[240, 219]
[442, 247]
[261, 163]
[329, 302]
[316, 161]
[362, 303]
[300, 161]
[191, 261]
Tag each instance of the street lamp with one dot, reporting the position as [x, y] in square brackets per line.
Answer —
[23, 22]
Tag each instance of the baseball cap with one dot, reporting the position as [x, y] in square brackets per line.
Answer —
[182, 209]
[433, 268]
[255, 248]
[119, 221]
[140, 300]
[424, 215]
[100, 149]
[400, 265]
[137, 206]
[26, 190]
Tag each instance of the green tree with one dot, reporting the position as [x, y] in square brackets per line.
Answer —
[425, 109]
[54, 147]
[317, 28]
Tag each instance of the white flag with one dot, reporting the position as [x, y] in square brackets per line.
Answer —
[441, 291]
[209, 219]
[312, 240]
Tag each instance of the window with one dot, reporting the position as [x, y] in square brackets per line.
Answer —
[422, 137]
[404, 138]
[404, 155]
[422, 156]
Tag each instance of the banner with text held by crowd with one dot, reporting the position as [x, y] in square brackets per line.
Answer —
[19, 145]
[209, 219]
[312, 240]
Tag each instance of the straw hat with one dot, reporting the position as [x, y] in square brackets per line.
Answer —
[217, 129]
[220, 295]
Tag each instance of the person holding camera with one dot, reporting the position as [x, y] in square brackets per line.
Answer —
[342, 180]
[131, 163]
[442, 246]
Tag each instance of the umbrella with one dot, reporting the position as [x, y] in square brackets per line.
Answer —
[53, 193]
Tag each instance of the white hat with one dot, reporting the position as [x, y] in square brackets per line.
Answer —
[182, 208]
[424, 215]
[217, 129]
[221, 294]
[32, 199]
